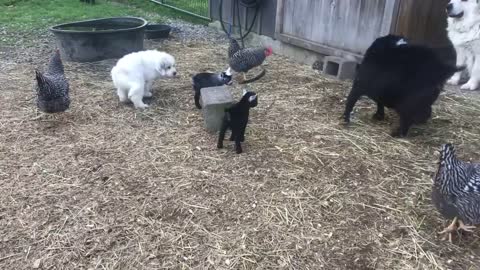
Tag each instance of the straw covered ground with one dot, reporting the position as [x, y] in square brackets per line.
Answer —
[103, 186]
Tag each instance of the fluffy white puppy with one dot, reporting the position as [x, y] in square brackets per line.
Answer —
[134, 73]
[464, 32]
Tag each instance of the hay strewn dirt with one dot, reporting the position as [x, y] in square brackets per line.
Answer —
[106, 187]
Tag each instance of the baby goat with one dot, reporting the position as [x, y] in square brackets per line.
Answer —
[236, 119]
[206, 79]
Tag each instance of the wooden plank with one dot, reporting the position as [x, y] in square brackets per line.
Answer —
[320, 48]
[389, 18]
[279, 18]
[341, 24]
[320, 29]
[288, 13]
[301, 19]
[423, 21]
[338, 21]
[268, 18]
[258, 20]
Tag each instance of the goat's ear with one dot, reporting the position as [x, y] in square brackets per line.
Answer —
[252, 98]
[244, 92]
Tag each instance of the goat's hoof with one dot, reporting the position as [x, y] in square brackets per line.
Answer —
[378, 117]
[239, 151]
[398, 134]
[219, 146]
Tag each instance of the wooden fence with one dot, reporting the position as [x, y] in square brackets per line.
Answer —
[331, 27]
[265, 23]
[423, 21]
[338, 27]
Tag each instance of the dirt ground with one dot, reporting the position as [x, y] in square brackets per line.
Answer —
[103, 186]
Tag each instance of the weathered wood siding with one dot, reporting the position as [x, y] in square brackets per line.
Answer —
[264, 25]
[423, 21]
[339, 27]
[328, 25]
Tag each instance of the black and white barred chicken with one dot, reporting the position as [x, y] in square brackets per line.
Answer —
[233, 47]
[456, 191]
[52, 87]
[248, 58]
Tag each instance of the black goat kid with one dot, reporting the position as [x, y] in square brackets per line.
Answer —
[236, 119]
[206, 79]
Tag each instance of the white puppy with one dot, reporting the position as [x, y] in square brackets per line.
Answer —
[134, 73]
[464, 32]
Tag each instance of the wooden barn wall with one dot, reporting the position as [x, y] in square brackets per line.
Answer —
[330, 25]
[265, 23]
[423, 21]
[345, 26]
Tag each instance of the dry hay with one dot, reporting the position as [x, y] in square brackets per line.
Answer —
[106, 187]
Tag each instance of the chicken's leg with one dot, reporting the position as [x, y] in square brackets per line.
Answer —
[464, 227]
[448, 231]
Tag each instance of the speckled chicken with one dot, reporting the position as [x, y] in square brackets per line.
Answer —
[245, 59]
[233, 47]
[52, 87]
[456, 191]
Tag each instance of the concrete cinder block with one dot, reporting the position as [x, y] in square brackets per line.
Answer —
[339, 67]
[214, 102]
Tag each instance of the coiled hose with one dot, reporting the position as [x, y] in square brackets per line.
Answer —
[247, 4]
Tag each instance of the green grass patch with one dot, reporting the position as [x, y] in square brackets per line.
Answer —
[33, 15]
[190, 5]
[196, 6]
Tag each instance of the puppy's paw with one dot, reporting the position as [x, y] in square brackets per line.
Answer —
[123, 99]
[469, 86]
[455, 80]
[147, 94]
[141, 106]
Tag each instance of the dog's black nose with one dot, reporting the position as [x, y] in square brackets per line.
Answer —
[175, 73]
[449, 7]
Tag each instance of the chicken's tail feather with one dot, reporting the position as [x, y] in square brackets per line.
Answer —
[56, 66]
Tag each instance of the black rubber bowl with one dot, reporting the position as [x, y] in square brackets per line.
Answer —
[154, 31]
[99, 39]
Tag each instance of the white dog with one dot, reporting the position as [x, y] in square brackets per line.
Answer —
[464, 32]
[134, 73]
